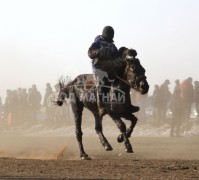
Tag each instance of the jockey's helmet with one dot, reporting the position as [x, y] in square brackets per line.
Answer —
[108, 33]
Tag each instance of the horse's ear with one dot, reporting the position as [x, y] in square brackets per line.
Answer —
[132, 52]
[122, 50]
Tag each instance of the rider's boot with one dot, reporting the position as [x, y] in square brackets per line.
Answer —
[134, 109]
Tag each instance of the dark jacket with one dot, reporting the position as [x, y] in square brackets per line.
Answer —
[196, 94]
[94, 51]
[176, 102]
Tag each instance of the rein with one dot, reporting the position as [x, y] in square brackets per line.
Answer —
[126, 82]
[122, 79]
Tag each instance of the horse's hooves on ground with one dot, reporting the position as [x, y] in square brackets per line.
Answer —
[120, 138]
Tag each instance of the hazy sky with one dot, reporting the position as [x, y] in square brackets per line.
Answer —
[41, 40]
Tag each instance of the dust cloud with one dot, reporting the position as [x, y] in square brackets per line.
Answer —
[46, 141]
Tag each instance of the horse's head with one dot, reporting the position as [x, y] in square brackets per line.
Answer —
[135, 73]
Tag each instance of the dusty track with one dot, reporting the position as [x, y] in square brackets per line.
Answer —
[154, 158]
[105, 168]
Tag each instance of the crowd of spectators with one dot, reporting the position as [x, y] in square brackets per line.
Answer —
[177, 106]
[27, 107]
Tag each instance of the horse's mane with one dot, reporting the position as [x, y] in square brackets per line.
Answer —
[64, 81]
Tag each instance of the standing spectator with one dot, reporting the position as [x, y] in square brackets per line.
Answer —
[165, 97]
[24, 105]
[196, 97]
[1, 109]
[19, 106]
[15, 108]
[187, 95]
[48, 92]
[49, 106]
[9, 107]
[156, 100]
[34, 99]
[141, 101]
[29, 111]
[176, 108]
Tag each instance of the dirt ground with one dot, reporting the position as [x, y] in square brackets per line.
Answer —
[153, 158]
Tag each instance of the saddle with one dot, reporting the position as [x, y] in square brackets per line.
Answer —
[86, 81]
[89, 84]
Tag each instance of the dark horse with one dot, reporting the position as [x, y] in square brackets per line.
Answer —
[82, 93]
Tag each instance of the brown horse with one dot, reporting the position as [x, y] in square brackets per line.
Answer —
[82, 93]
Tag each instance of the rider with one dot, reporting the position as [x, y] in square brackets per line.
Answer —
[104, 53]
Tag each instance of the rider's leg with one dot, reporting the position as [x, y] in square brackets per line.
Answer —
[98, 83]
[100, 103]
[103, 97]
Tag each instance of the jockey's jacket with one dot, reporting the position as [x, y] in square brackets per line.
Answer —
[94, 51]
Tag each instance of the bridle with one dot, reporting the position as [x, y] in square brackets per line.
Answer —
[134, 81]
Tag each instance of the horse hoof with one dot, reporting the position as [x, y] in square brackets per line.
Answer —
[120, 138]
[86, 158]
[108, 148]
[129, 151]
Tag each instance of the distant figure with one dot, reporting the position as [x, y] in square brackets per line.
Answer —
[196, 97]
[34, 99]
[176, 108]
[48, 92]
[18, 104]
[9, 107]
[187, 95]
[156, 100]
[24, 105]
[141, 101]
[1, 109]
[47, 101]
[165, 97]
[15, 117]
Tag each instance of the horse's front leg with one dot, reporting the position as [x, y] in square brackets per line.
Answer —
[99, 131]
[122, 127]
[77, 110]
[129, 131]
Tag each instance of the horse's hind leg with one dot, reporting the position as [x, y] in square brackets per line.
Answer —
[77, 108]
[99, 131]
[122, 127]
[129, 131]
